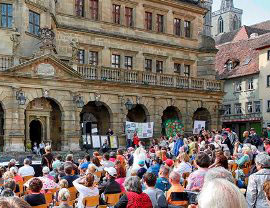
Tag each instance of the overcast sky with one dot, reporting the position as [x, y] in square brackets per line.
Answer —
[254, 11]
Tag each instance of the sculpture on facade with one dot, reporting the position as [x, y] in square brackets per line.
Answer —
[75, 47]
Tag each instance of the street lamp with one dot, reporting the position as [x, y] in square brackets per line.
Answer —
[20, 97]
[129, 104]
[79, 101]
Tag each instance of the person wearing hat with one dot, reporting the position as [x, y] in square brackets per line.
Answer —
[109, 185]
[226, 143]
[142, 169]
[232, 136]
[169, 163]
[46, 171]
[255, 195]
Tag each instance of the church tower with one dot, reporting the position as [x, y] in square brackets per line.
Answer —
[226, 19]
[207, 4]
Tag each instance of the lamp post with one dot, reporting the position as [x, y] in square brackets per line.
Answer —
[129, 104]
[79, 101]
[20, 97]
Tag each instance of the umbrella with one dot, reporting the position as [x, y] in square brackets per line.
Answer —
[47, 183]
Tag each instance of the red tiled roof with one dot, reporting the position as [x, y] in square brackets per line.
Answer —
[244, 51]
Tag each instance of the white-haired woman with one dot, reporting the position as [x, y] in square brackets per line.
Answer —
[134, 197]
[64, 198]
[255, 195]
[221, 193]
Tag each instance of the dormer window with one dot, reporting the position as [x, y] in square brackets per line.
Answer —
[231, 64]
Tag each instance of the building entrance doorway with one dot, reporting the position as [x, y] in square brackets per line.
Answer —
[35, 132]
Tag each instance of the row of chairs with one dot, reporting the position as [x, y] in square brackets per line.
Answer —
[92, 201]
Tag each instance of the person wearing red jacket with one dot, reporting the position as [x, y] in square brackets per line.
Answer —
[136, 139]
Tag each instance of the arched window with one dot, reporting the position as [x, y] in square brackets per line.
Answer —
[235, 23]
[220, 25]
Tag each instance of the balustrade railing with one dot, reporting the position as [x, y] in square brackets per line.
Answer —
[147, 78]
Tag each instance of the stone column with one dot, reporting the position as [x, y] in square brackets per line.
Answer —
[156, 118]
[48, 128]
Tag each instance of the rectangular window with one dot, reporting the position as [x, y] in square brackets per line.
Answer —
[148, 20]
[249, 107]
[238, 108]
[268, 105]
[94, 9]
[128, 62]
[187, 70]
[115, 61]
[187, 27]
[177, 26]
[116, 13]
[250, 84]
[238, 86]
[34, 22]
[160, 23]
[177, 68]
[93, 58]
[80, 56]
[6, 15]
[228, 109]
[159, 66]
[79, 8]
[268, 55]
[148, 65]
[257, 105]
[268, 80]
[129, 16]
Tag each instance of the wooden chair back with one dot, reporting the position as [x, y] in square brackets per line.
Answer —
[179, 198]
[41, 206]
[234, 167]
[73, 193]
[70, 203]
[98, 174]
[112, 199]
[91, 201]
[27, 178]
[48, 197]
[20, 183]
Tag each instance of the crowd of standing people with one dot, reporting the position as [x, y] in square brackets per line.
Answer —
[213, 169]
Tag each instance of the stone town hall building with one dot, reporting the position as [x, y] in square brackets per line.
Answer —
[68, 66]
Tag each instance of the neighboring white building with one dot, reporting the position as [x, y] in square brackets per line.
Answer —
[243, 62]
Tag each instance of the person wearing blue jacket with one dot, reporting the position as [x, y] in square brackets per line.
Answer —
[179, 143]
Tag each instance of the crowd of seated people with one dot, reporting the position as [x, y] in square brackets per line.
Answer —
[211, 170]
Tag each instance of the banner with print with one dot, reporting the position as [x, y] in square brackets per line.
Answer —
[198, 125]
[144, 130]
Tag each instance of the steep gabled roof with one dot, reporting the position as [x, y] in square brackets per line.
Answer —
[245, 51]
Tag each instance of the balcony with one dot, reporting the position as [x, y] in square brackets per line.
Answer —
[242, 117]
[147, 78]
[5, 62]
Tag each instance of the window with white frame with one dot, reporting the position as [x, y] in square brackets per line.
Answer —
[238, 86]
[249, 107]
[115, 61]
[257, 105]
[128, 62]
[250, 84]
[238, 108]
[93, 57]
[228, 109]
[81, 56]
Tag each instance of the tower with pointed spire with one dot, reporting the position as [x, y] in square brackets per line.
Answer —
[226, 19]
[207, 4]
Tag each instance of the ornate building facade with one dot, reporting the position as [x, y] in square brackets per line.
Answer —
[69, 66]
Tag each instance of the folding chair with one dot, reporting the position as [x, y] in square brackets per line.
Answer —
[27, 178]
[91, 201]
[41, 206]
[112, 199]
[73, 193]
[48, 197]
[180, 198]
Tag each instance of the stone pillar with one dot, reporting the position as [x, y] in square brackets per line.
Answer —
[157, 119]
[48, 129]
[14, 135]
